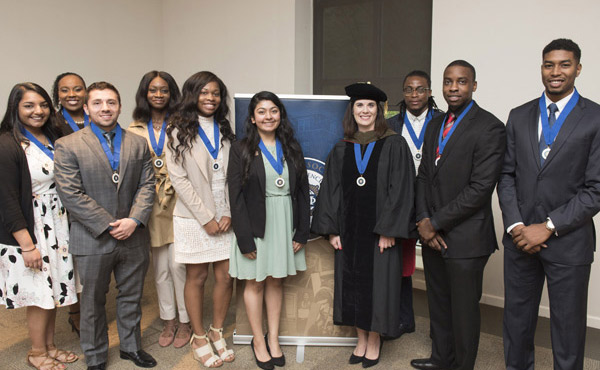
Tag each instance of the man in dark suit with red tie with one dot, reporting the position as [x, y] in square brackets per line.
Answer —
[462, 159]
[549, 191]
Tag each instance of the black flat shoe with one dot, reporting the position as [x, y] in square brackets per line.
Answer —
[265, 365]
[354, 359]
[367, 362]
[277, 361]
[140, 358]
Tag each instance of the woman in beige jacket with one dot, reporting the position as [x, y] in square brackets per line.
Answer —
[156, 98]
[198, 151]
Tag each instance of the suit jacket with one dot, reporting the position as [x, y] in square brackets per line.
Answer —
[248, 200]
[566, 188]
[83, 179]
[192, 178]
[457, 193]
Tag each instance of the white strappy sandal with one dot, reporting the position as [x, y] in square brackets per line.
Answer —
[221, 344]
[204, 350]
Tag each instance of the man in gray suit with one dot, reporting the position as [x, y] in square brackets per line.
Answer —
[105, 179]
[549, 191]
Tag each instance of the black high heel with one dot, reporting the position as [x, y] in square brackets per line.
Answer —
[265, 365]
[72, 323]
[277, 361]
[354, 359]
[367, 362]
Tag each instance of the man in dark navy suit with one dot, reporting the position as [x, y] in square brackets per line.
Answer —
[549, 191]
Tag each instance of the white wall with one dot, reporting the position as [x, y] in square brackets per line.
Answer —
[504, 41]
[112, 40]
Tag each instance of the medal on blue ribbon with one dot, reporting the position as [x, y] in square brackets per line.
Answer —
[442, 141]
[548, 132]
[113, 158]
[362, 161]
[157, 147]
[38, 143]
[276, 163]
[71, 121]
[213, 150]
[417, 140]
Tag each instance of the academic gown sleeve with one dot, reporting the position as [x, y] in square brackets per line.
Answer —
[395, 190]
[327, 212]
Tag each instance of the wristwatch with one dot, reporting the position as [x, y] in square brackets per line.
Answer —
[550, 226]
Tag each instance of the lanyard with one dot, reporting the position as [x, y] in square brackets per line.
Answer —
[276, 163]
[551, 132]
[38, 143]
[442, 142]
[213, 150]
[71, 121]
[158, 148]
[362, 162]
[113, 158]
[417, 140]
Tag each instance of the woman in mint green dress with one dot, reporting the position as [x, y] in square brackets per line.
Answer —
[270, 208]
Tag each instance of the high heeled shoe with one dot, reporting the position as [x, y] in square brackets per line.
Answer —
[72, 323]
[277, 361]
[367, 362]
[265, 365]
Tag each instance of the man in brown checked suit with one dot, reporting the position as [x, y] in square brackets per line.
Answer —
[105, 179]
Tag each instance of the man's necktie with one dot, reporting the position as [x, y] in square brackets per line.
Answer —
[551, 119]
[109, 139]
[447, 128]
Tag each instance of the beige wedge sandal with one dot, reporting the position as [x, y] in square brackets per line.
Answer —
[204, 350]
[221, 344]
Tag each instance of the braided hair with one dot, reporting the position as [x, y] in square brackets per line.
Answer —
[431, 105]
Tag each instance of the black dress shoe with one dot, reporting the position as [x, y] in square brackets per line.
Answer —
[367, 362]
[265, 365]
[140, 358]
[426, 364]
[354, 359]
[101, 366]
[277, 361]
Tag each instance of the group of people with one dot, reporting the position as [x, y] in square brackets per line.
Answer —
[83, 199]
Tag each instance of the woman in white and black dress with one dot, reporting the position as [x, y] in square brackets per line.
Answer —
[36, 269]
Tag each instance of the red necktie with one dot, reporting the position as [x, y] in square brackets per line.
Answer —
[447, 128]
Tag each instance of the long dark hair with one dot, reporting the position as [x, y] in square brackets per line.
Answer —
[11, 122]
[350, 126]
[55, 86]
[284, 133]
[185, 118]
[431, 105]
[143, 111]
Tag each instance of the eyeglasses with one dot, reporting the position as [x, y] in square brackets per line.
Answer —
[420, 90]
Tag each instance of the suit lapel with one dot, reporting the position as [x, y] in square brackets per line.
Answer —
[199, 153]
[92, 142]
[258, 166]
[567, 128]
[123, 158]
[534, 138]
[463, 126]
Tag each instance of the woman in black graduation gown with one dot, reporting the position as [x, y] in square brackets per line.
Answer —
[365, 206]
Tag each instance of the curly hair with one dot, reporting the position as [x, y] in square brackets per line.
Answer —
[185, 118]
